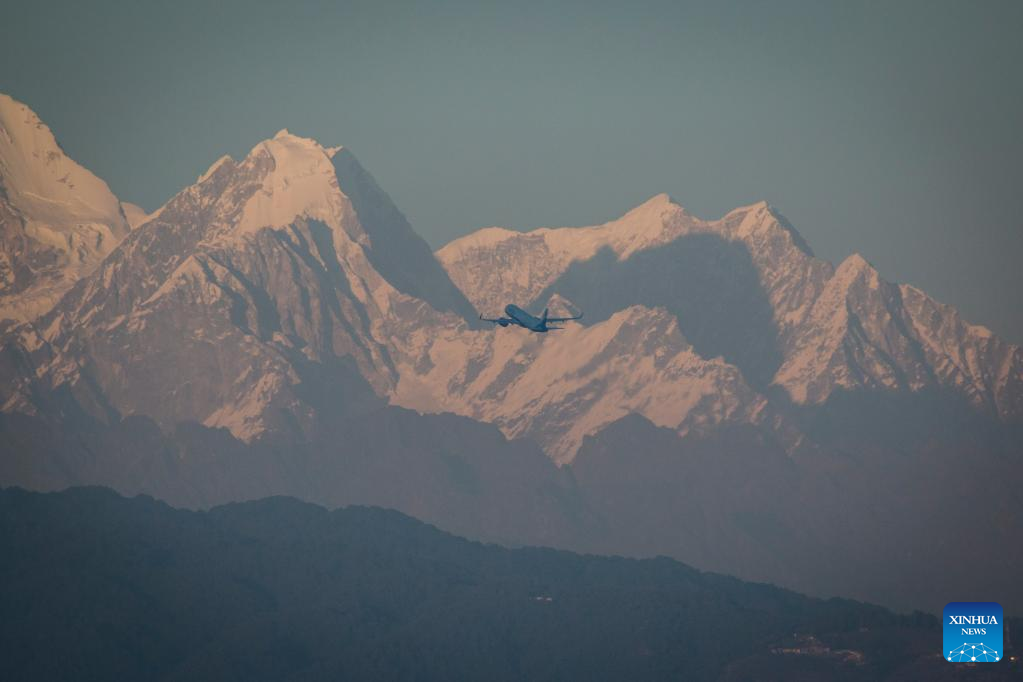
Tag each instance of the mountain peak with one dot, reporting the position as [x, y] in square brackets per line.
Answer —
[292, 155]
[656, 221]
[66, 219]
[855, 260]
[283, 144]
[18, 118]
[483, 238]
[662, 199]
[855, 265]
[214, 167]
[298, 181]
[757, 207]
[41, 180]
[654, 207]
[751, 219]
[759, 220]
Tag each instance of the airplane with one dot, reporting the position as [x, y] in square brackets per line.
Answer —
[521, 318]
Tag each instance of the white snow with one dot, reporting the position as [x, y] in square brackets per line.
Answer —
[42, 181]
[69, 217]
[561, 387]
[301, 184]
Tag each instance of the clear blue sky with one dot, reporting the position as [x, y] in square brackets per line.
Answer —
[888, 128]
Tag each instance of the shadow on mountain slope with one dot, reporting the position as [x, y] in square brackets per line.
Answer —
[400, 255]
[708, 283]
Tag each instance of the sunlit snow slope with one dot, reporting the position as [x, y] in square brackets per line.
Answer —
[57, 220]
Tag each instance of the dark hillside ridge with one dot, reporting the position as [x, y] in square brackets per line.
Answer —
[94, 586]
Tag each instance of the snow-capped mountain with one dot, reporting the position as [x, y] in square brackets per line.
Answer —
[561, 387]
[213, 308]
[57, 220]
[728, 399]
[293, 258]
[222, 303]
[749, 288]
[219, 305]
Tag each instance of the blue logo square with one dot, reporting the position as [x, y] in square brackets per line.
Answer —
[972, 632]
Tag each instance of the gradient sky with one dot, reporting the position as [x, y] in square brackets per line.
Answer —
[892, 129]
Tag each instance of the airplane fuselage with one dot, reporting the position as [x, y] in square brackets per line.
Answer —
[520, 317]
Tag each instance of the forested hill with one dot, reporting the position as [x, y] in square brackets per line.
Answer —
[94, 586]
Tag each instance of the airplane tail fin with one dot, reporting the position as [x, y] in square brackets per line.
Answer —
[545, 310]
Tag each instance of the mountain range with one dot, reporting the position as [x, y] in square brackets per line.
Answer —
[95, 586]
[730, 400]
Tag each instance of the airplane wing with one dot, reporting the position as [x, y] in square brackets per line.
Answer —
[503, 321]
[565, 319]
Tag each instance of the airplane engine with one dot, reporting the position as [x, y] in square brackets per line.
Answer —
[503, 324]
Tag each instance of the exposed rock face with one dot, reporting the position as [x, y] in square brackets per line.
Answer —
[57, 220]
[968, 357]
